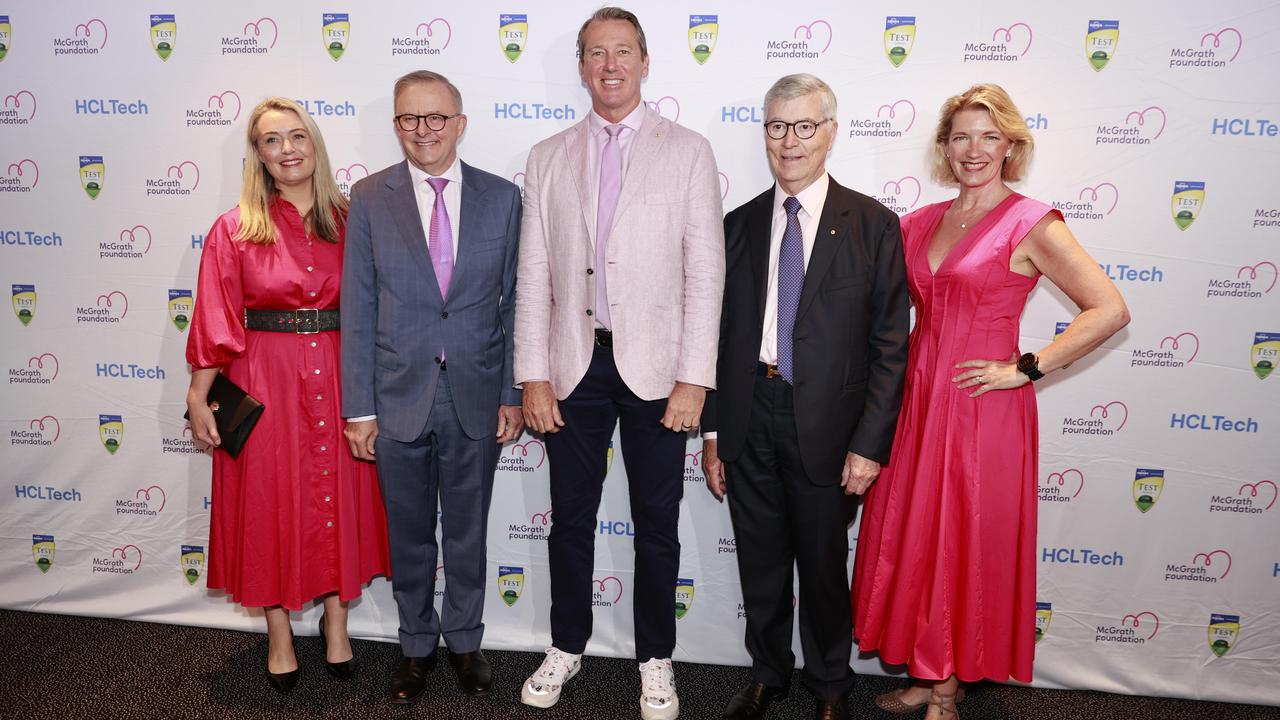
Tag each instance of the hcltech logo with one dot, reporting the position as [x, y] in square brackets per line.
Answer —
[431, 37]
[111, 432]
[18, 109]
[1080, 556]
[606, 592]
[899, 38]
[132, 243]
[21, 176]
[256, 38]
[164, 35]
[47, 493]
[93, 173]
[1062, 487]
[1100, 42]
[328, 108]
[1148, 484]
[1133, 629]
[513, 34]
[704, 30]
[24, 303]
[1187, 200]
[1007, 45]
[1207, 568]
[532, 111]
[1044, 614]
[181, 303]
[110, 106]
[191, 562]
[1211, 423]
[87, 38]
[510, 583]
[807, 42]
[335, 31]
[1216, 50]
[1264, 354]
[42, 551]
[1224, 630]
[1250, 499]
[40, 432]
[684, 596]
[524, 457]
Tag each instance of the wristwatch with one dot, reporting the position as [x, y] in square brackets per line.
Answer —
[1029, 365]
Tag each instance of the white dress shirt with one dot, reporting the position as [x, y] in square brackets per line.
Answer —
[812, 199]
[595, 151]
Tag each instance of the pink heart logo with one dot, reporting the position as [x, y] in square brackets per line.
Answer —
[809, 32]
[524, 451]
[429, 25]
[897, 190]
[16, 170]
[1008, 35]
[1260, 485]
[123, 554]
[542, 518]
[39, 423]
[893, 110]
[1072, 475]
[1135, 621]
[1227, 32]
[122, 299]
[611, 580]
[1182, 342]
[1219, 556]
[1111, 411]
[15, 101]
[131, 235]
[39, 360]
[351, 173]
[1100, 191]
[257, 26]
[1141, 117]
[724, 186]
[666, 106]
[694, 458]
[191, 171]
[223, 99]
[145, 494]
[1255, 274]
[87, 28]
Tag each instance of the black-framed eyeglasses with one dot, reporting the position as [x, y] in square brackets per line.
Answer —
[408, 122]
[804, 129]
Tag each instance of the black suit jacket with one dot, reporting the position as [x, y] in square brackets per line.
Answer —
[850, 339]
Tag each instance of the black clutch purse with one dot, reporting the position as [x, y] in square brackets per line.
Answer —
[235, 412]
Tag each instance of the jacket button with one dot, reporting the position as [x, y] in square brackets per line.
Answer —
[590, 313]
[590, 271]
[436, 359]
[444, 316]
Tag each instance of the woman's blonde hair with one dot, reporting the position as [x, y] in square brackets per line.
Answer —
[1004, 114]
[327, 212]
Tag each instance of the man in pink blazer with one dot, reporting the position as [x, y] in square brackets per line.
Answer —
[617, 319]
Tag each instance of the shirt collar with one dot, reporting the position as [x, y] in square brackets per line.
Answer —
[632, 121]
[420, 176]
[811, 198]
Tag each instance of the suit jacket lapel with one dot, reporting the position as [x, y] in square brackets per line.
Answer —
[833, 230]
[469, 223]
[402, 201]
[759, 229]
[653, 132]
[579, 162]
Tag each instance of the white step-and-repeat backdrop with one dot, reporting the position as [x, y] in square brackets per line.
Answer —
[1158, 133]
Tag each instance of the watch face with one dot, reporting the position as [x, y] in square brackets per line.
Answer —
[1027, 364]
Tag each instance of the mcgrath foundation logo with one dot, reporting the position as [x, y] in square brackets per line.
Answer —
[93, 174]
[1100, 42]
[109, 308]
[218, 110]
[1148, 484]
[1205, 568]
[899, 38]
[164, 35]
[606, 592]
[1174, 351]
[6, 36]
[40, 432]
[335, 31]
[1044, 615]
[123, 560]
[1007, 44]
[131, 244]
[144, 502]
[1104, 420]
[1062, 486]
[901, 195]
[704, 30]
[430, 37]
[524, 457]
[1264, 354]
[20, 177]
[538, 528]
[179, 180]
[513, 34]
[346, 177]
[39, 370]
[180, 443]
[1095, 202]
[510, 583]
[1133, 629]
[111, 432]
[257, 37]
[1250, 499]
[42, 551]
[1188, 199]
[693, 467]
[807, 42]
[1215, 50]
[18, 108]
[684, 597]
[24, 303]
[191, 563]
[1224, 631]
[1140, 127]
[724, 186]
[890, 120]
[1250, 282]
[86, 38]
[666, 106]
[181, 304]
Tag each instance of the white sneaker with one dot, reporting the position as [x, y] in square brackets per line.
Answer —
[658, 699]
[542, 689]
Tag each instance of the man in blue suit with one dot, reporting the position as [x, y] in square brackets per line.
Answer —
[428, 296]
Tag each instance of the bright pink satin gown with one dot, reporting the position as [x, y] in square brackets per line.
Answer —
[944, 578]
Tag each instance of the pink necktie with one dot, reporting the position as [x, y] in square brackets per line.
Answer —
[440, 242]
[610, 186]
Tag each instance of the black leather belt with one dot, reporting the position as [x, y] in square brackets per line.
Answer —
[304, 322]
[604, 338]
[766, 370]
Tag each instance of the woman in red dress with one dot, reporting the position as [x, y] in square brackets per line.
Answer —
[945, 567]
[294, 517]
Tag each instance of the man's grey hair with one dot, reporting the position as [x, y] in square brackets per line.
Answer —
[791, 87]
[612, 13]
[426, 76]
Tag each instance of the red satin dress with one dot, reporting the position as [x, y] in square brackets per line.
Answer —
[944, 577]
[295, 516]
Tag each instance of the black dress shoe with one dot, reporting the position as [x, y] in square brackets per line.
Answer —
[408, 681]
[832, 710]
[751, 702]
[344, 670]
[283, 682]
[475, 676]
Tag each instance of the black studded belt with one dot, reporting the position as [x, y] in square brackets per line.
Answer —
[304, 322]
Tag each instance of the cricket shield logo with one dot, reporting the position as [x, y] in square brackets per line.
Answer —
[684, 596]
[1263, 356]
[164, 34]
[93, 173]
[335, 31]
[1188, 198]
[42, 549]
[192, 563]
[704, 30]
[510, 583]
[1100, 42]
[1044, 614]
[111, 432]
[513, 34]
[6, 35]
[899, 37]
[180, 304]
[24, 303]
[1147, 486]
[608, 459]
[1224, 630]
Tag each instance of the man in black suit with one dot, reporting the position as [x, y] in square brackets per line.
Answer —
[813, 350]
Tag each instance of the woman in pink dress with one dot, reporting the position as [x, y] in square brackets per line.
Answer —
[294, 517]
[945, 567]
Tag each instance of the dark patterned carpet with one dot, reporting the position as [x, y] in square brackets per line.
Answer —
[57, 666]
